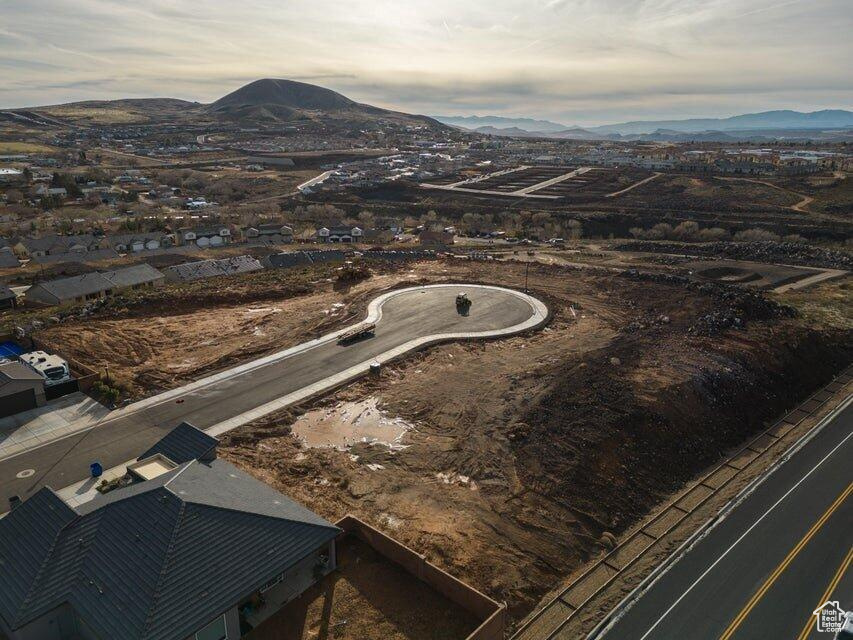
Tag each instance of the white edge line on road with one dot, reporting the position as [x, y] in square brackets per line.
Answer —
[705, 529]
[374, 314]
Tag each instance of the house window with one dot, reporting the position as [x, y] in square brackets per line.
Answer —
[213, 631]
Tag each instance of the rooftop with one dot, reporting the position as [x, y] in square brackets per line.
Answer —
[156, 559]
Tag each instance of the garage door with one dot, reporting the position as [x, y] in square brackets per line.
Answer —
[17, 402]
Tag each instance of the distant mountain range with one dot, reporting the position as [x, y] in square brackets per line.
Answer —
[769, 125]
[268, 101]
[498, 122]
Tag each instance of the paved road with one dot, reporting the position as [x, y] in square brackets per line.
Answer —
[767, 565]
[124, 435]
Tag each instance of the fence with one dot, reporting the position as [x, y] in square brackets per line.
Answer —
[493, 614]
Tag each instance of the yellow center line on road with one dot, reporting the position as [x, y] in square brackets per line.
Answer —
[733, 627]
[810, 623]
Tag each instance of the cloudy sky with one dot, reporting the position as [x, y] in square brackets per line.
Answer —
[575, 61]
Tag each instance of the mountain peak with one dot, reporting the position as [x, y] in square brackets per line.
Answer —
[284, 93]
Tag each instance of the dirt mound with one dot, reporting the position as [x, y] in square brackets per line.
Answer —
[765, 251]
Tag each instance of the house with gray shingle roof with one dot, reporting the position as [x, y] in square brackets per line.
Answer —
[188, 553]
[189, 271]
[88, 286]
[134, 277]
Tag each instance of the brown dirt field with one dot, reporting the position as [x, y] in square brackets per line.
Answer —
[192, 331]
[563, 435]
[367, 597]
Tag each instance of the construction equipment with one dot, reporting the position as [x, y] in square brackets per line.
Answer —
[356, 333]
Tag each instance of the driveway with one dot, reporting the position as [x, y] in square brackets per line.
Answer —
[56, 419]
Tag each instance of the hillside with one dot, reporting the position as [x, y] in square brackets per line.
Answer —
[268, 101]
[283, 93]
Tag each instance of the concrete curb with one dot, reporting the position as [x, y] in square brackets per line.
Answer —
[374, 314]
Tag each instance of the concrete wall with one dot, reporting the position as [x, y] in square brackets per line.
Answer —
[491, 613]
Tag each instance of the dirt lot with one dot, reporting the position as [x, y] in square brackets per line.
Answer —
[518, 455]
[368, 597]
[180, 333]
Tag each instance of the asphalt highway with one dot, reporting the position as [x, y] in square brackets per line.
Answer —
[778, 555]
[413, 314]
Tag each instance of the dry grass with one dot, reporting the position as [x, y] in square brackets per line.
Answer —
[824, 305]
[24, 147]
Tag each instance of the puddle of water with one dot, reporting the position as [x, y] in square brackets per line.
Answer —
[349, 423]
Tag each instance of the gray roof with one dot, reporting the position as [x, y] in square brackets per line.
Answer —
[54, 241]
[326, 256]
[5, 292]
[128, 239]
[94, 255]
[8, 258]
[211, 268]
[155, 560]
[239, 264]
[184, 443]
[289, 259]
[133, 275]
[17, 371]
[73, 287]
[274, 227]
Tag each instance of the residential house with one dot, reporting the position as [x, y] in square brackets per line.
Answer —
[184, 551]
[136, 242]
[53, 244]
[21, 388]
[270, 233]
[136, 276]
[44, 190]
[289, 259]
[8, 258]
[190, 271]
[94, 255]
[339, 232]
[91, 286]
[8, 298]
[213, 236]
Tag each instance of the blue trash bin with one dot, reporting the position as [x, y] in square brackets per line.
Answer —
[96, 469]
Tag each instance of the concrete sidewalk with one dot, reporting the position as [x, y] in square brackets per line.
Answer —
[54, 420]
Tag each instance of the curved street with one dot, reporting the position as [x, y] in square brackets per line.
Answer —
[405, 319]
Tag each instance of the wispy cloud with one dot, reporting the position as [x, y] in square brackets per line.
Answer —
[578, 61]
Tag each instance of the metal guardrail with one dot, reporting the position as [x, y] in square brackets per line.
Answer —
[550, 620]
